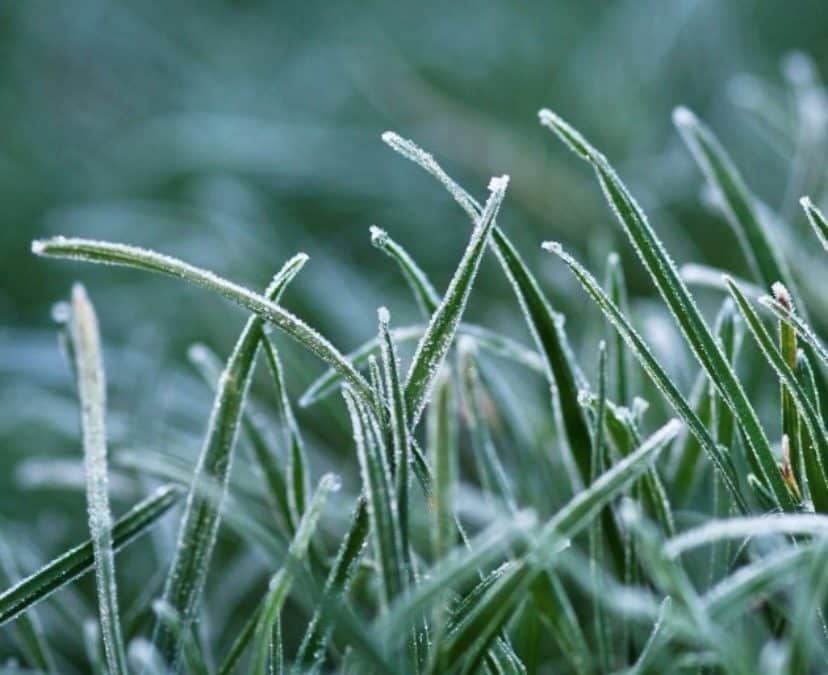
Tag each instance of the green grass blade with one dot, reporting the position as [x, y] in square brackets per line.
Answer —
[442, 446]
[817, 221]
[131, 256]
[762, 254]
[657, 636]
[615, 286]
[436, 341]
[423, 290]
[793, 319]
[193, 658]
[86, 348]
[675, 294]
[657, 373]
[281, 582]
[814, 465]
[379, 495]
[79, 560]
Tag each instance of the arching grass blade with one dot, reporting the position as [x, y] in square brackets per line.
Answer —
[817, 221]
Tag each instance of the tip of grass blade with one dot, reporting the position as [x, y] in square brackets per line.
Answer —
[384, 315]
[684, 117]
[499, 183]
[330, 482]
[805, 202]
[782, 295]
[567, 133]
[379, 237]
[553, 247]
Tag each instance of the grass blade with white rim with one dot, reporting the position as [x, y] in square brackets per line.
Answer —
[814, 466]
[281, 582]
[427, 298]
[108, 253]
[615, 286]
[675, 294]
[659, 376]
[803, 330]
[379, 495]
[436, 341]
[79, 560]
[86, 348]
[200, 522]
[817, 221]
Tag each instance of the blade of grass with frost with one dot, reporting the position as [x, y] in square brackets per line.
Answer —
[398, 421]
[442, 446]
[706, 276]
[503, 346]
[427, 298]
[32, 640]
[86, 347]
[312, 649]
[803, 330]
[762, 254]
[681, 304]
[210, 367]
[281, 582]
[379, 495]
[817, 221]
[492, 474]
[435, 343]
[131, 256]
[193, 658]
[79, 560]
[791, 425]
[299, 483]
[200, 522]
[814, 464]
[616, 288]
[659, 376]
[658, 635]
[545, 325]
[470, 636]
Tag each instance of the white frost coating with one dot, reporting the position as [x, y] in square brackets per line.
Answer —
[684, 117]
[198, 353]
[384, 315]
[743, 528]
[83, 330]
[60, 312]
[379, 237]
[552, 247]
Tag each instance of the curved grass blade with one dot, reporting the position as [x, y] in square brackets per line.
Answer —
[762, 254]
[86, 348]
[436, 341]
[659, 376]
[330, 381]
[200, 522]
[427, 298]
[817, 220]
[470, 636]
[814, 463]
[79, 560]
[675, 294]
[379, 495]
[281, 582]
[132, 256]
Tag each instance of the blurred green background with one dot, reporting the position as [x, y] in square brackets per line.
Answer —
[234, 134]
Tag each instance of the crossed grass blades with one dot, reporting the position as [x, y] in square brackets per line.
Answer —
[612, 573]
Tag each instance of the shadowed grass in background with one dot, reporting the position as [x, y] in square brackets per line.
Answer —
[611, 459]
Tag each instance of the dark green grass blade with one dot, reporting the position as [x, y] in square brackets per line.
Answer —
[817, 221]
[131, 256]
[675, 294]
[659, 376]
[86, 349]
[616, 288]
[436, 341]
[803, 330]
[814, 465]
[77, 561]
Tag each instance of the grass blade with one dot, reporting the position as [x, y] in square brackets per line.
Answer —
[281, 582]
[616, 289]
[427, 298]
[803, 330]
[814, 462]
[658, 375]
[379, 495]
[436, 341]
[817, 221]
[675, 294]
[86, 348]
[132, 256]
[442, 445]
[79, 560]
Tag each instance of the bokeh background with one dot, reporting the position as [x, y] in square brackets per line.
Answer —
[234, 134]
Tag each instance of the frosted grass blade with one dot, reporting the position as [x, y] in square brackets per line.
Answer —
[193, 658]
[675, 294]
[803, 330]
[202, 515]
[79, 560]
[814, 466]
[131, 256]
[379, 496]
[817, 221]
[86, 349]
[436, 341]
[442, 447]
[616, 288]
[423, 290]
[658, 375]
[281, 582]
[761, 252]
[657, 637]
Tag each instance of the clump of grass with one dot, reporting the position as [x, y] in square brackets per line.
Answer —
[610, 571]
